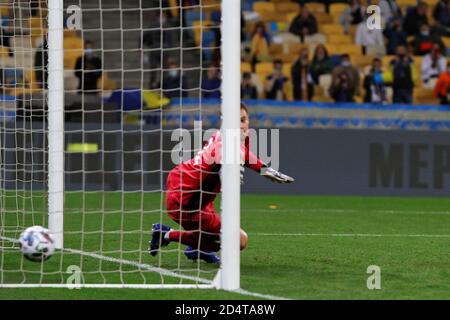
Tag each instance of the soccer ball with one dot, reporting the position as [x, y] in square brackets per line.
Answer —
[37, 243]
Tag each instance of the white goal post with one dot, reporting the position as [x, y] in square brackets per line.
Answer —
[102, 222]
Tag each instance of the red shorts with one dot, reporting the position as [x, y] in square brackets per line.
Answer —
[193, 219]
[184, 209]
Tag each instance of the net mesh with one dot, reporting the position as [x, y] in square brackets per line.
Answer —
[134, 71]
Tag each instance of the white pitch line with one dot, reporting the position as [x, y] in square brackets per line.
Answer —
[128, 262]
[330, 210]
[150, 268]
[373, 235]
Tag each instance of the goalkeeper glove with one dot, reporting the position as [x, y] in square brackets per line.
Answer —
[276, 176]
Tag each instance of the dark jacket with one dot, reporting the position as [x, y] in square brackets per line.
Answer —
[88, 70]
[297, 81]
[299, 23]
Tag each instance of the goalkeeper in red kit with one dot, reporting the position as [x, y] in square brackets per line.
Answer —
[191, 189]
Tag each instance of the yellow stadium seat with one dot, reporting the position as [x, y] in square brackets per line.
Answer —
[336, 9]
[174, 8]
[246, 67]
[315, 7]
[272, 16]
[263, 7]
[295, 48]
[340, 39]
[406, 3]
[287, 7]
[431, 3]
[4, 9]
[361, 60]
[275, 48]
[446, 41]
[387, 60]
[73, 49]
[200, 26]
[332, 48]
[264, 67]
[105, 83]
[323, 18]
[351, 49]
[4, 53]
[331, 29]
[287, 69]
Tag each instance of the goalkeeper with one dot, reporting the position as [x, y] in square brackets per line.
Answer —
[191, 189]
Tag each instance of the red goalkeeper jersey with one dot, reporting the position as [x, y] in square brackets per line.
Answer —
[199, 178]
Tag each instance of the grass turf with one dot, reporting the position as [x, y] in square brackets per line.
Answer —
[300, 247]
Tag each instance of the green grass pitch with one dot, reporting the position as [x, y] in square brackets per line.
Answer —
[301, 247]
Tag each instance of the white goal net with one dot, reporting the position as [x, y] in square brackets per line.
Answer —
[134, 71]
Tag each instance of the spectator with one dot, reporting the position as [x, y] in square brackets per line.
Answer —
[442, 88]
[353, 15]
[211, 83]
[174, 84]
[373, 84]
[259, 47]
[441, 14]
[88, 69]
[41, 63]
[340, 89]
[395, 36]
[389, 10]
[433, 64]
[274, 87]
[423, 43]
[352, 79]
[403, 78]
[153, 40]
[7, 31]
[303, 83]
[304, 24]
[368, 37]
[321, 63]
[415, 18]
[248, 89]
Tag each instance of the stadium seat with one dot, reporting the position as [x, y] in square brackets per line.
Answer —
[315, 7]
[340, 39]
[316, 39]
[246, 67]
[264, 67]
[336, 10]
[406, 3]
[276, 48]
[351, 49]
[331, 29]
[262, 6]
[287, 7]
[105, 83]
[387, 60]
[295, 48]
[272, 16]
[291, 16]
[361, 60]
[323, 18]
[174, 8]
[446, 41]
[424, 96]
[73, 49]
[201, 26]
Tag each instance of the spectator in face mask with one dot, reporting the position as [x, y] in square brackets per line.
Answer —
[433, 64]
[174, 84]
[395, 35]
[423, 43]
[415, 17]
[88, 69]
[352, 75]
[373, 84]
[302, 81]
[403, 78]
